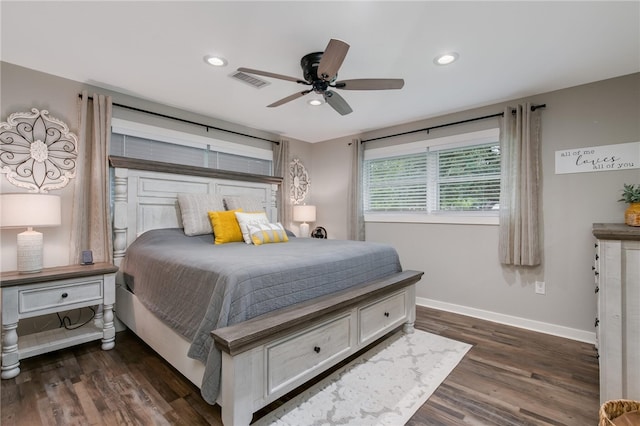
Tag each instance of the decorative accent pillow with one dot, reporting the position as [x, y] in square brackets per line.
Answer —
[194, 208]
[245, 219]
[267, 233]
[247, 204]
[225, 227]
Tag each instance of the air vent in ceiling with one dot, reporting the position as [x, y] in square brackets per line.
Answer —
[249, 79]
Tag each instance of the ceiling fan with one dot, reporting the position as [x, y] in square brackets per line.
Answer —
[320, 71]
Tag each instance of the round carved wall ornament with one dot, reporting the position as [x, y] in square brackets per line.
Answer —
[300, 181]
[37, 152]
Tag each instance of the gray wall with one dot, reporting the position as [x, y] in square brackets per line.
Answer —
[462, 271]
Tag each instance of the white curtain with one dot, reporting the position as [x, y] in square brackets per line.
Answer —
[281, 168]
[519, 233]
[355, 215]
[91, 206]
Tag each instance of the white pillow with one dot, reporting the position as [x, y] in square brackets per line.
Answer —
[267, 233]
[245, 219]
[247, 204]
[195, 209]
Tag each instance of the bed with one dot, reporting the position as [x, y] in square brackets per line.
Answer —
[274, 315]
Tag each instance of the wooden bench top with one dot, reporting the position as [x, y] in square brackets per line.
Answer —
[241, 337]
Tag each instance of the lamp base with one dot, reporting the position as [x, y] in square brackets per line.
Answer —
[29, 252]
[304, 230]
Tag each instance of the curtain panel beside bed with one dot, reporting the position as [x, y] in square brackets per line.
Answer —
[91, 216]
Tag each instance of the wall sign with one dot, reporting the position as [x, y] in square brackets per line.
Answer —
[599, 158]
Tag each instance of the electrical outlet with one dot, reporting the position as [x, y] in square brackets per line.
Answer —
[540, 289]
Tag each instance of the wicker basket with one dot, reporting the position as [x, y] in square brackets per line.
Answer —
[614, 408]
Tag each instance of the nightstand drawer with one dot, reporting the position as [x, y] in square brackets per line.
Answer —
[56, 296]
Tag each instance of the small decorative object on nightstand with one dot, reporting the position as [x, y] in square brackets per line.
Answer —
[304, 214]
[50, 291]
[319, 232]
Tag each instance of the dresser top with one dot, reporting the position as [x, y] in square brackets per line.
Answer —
[12, 278]
[616, 231]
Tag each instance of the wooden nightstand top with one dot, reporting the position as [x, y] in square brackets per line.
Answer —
[13, 278]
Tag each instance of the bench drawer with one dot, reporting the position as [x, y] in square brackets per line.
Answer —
[304, 353]
[381, 316]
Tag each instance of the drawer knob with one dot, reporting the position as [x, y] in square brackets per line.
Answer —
[64, 295]
[317, 349]
[386, 314]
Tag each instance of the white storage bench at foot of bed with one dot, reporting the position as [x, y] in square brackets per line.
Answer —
[268, 356]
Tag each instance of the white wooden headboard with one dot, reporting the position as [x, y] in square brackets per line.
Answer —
[145, 198]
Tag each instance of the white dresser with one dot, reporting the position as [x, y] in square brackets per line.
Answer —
[617, 276]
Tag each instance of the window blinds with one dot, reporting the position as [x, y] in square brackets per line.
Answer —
[463, 178]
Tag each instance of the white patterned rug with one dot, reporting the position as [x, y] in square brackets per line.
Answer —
[384, 386]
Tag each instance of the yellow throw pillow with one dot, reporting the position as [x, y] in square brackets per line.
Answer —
[225, 226]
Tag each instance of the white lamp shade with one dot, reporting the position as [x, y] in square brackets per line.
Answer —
[304, 213]
[29, 210]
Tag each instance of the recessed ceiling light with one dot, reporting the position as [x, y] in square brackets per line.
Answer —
[446, 59]
[315, 102]
[216, 61]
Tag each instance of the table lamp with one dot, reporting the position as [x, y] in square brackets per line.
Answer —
[29, 210]
[304, 214]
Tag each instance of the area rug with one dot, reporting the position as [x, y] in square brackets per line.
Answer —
[384, 386]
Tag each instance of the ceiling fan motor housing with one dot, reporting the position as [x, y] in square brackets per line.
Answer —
[309, 64]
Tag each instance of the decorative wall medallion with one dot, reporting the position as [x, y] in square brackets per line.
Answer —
[300, 182]
[37, 152]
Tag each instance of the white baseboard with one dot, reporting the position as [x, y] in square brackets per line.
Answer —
[539, 326]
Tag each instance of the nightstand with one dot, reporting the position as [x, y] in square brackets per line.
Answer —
[49, 291]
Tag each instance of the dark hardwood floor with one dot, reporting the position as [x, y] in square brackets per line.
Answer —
[510, 377]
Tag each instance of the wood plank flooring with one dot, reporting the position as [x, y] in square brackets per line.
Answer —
[510, 377]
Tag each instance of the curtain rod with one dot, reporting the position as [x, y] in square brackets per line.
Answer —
[157, 114]
[427, 129]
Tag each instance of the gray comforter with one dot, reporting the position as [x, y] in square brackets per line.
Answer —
[195, 286]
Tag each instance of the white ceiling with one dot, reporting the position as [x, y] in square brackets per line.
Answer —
[155, 50]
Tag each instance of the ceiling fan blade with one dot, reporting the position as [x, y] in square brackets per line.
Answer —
[272, 75]
[288, 99]
[337, 102]
[370, 84]
[332, 59]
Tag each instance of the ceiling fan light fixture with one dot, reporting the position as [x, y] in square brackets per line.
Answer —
[216, 61]
[315, 102]
[446, 59]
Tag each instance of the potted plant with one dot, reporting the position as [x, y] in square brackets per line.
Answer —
[631, 196]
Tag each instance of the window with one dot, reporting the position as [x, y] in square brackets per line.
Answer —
[468, 179]
[457, 175]
[135, 140]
